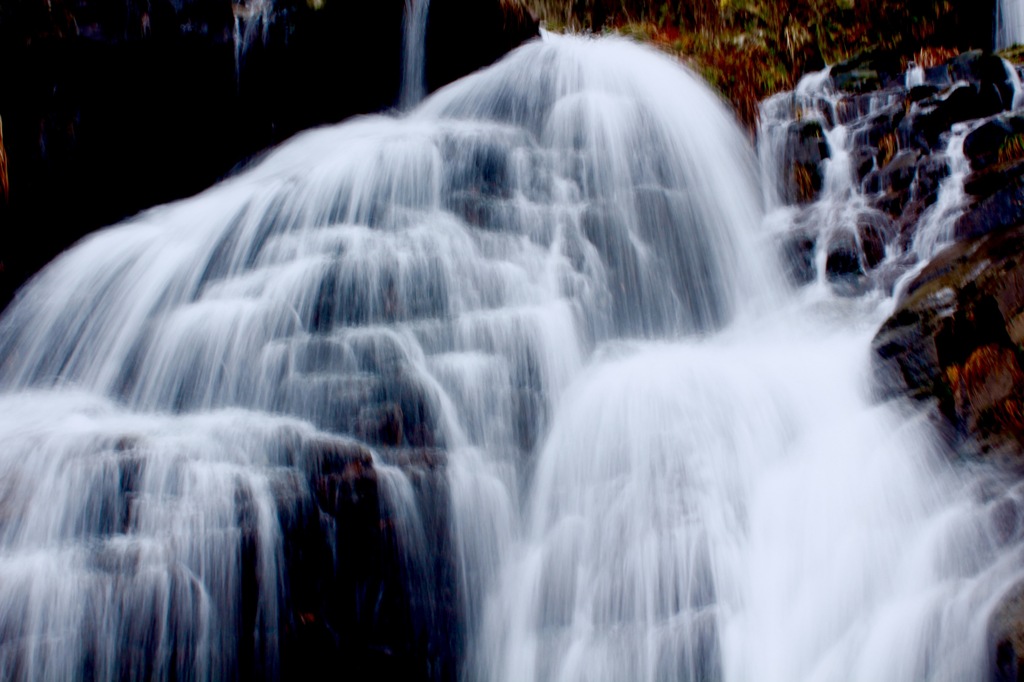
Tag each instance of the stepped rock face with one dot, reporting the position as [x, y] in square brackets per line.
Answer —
[117, 106]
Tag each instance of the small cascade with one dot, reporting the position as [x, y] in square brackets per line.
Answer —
[935, 228]
[252, 23]
[414, 53]
[813, 178]
[864, 185]
[1014, 76]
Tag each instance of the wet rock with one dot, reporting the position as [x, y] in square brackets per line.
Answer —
[863, 161]
[920, 92]
[866, 72]
[996, 152]
[1004, 208]
[892, 202]
[806, 148]
[358, 588]
[900, 172]
[984, 90]
[4, 185]
[931, 171]
[852, 107]
[1006, 636]
[982, 145]
[993, 179]
[381, 425]
[955, 340]
[874, 230]
[986, 72]
[882, 125]
[798, 250]
[843, 261]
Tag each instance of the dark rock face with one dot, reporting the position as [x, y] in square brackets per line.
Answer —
[117, 106]
[798, 257]
[996, 152]
[806, 148]
[1006, 632]
[355, 596]
[956, 338]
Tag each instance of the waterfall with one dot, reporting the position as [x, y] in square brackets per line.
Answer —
[1009, 23]
[414, 53]
[509, 387]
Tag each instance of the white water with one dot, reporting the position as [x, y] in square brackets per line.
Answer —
[662, 464]
[414, 53]
[935, 228]
[1009, 23]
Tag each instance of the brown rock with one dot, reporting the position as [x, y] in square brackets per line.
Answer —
[956, 340]
[1006, 632]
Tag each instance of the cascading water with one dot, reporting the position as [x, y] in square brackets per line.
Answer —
[414, 53]
[551, 282]
[252, 22]
[1009, 23]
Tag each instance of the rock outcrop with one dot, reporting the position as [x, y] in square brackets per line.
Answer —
[957, 338]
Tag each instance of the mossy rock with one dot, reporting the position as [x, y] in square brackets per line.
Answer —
[866, 72]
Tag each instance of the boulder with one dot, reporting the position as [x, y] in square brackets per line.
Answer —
[862, 159]
[798, 250]
[843, 258]
[806, 148]
[1006, 634]
[867, 71]
[936, 115]
[874, 231]
[986, 72]
[956, 339]
[1004, 208]
[982, 145]
[931, 171]
[900, 172]
[995, 150]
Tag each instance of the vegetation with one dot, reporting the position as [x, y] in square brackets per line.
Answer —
[1011, 150]
[750, 49]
